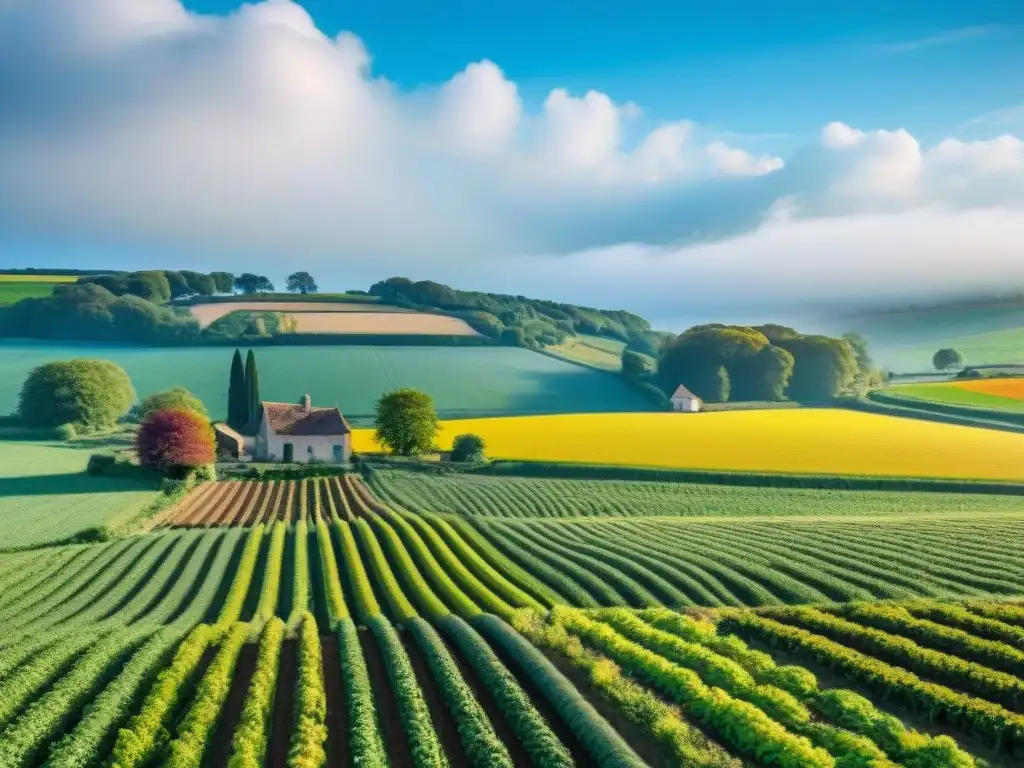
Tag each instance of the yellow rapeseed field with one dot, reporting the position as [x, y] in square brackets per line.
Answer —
[806, 440]
[37, 278]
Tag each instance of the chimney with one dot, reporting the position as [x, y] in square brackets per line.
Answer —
[307, 404]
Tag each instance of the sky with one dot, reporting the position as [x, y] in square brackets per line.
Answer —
[687, 161]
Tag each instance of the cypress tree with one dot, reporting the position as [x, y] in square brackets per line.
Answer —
[252, 387]
[238, 403]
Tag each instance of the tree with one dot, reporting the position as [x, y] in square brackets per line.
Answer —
[223, 282]
[252, 388]
[468, 447]
[199, 283]
[406, 422]
[947, 358]
[771, 373]
[634, 364]
[151, 285]
[250, 283]
[824, 367]
[238, 394]
[176, 399]
[92, 394]
[178, 284]
[301, 282]
[173, 442]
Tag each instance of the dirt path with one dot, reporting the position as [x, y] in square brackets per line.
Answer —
[446, 729]
[284, 703]
[520, 757]
[220, 750]
[337, 714]
[387, 707]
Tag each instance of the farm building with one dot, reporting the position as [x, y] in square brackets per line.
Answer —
[300, 433]
[684, 401]
[230, 444]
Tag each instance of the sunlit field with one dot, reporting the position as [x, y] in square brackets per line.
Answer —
[17, 287]
[1001, 394]
[810, 440]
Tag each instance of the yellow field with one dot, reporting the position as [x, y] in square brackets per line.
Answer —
[1011, 388]
[808, 440]
[38, 278]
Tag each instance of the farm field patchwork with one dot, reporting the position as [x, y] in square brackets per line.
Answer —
[340, 632]
[45, 495]
[804, 440]
[484, 381]
[17, 287]
[524, 497]
[1002, 394]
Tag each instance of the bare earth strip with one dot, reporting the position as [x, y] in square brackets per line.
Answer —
[207, 313]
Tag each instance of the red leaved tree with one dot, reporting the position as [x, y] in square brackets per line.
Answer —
[174, 441]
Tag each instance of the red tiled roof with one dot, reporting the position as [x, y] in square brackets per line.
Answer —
[289, 419]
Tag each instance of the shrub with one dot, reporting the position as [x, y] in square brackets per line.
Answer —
[99, 463]
[177, 399]
[468, 447]
[174, 442]
[92, 393]
[66, 432]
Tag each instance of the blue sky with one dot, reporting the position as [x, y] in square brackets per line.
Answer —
[666, 158]
[746, 66]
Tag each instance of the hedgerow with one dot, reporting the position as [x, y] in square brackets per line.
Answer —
[483, 747]
[306, 749]
[529, 726]
[424, 745]
[605, 746]
[249, 742]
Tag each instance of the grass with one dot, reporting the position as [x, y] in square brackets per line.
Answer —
[464, 382]
[591, 350]
[45, 495]
[805, 440]
[993, 347]
[523, 497]
[17, 287]
[997, 394]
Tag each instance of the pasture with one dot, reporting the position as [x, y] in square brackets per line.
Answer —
[805, 440]
[484, 381]
[1001, 394]
[591, 350]
[526, 497]
[307, 618]
[45, 495]
[17, 287]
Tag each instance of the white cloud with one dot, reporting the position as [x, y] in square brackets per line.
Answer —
[134, 122]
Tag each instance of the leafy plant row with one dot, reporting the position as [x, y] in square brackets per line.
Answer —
[366, 745]
[270, 590]
[483, 747]
[604, 744]
[336, 608]
[395, 598]
[424, 745]
[898, 620]
[300, 576]
[249, 741]
[47, 715]
[86, 744]
[231, 611]
[950, 670]
[193, 733]
[420, 592]
[453, 568]
[958, 616]
[137, 742]
[309, 735]
[529, 726]
[743, 725]
[997, 725]
[842, 707]
[1005, 612]
[366, 606]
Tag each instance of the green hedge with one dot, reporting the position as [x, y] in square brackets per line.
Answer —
[950, 413]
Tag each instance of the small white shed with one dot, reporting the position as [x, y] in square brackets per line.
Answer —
[684, 401]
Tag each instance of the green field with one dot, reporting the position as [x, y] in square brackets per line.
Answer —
[591, 350]
[16, 290]
[464, 382]
[522, 497]
[45, 495]
[946, 393]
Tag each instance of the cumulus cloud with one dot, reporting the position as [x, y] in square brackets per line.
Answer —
[137, 123]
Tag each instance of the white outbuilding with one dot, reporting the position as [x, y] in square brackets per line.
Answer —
[301, 433]
[684, 401]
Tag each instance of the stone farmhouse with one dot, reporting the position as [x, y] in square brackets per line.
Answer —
[291, 433]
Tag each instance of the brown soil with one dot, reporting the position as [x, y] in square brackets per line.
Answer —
[284, 703]
[520, 757]
[446, 728]
[246, 511]
[183, 510]
[387, 707]
[231, 713]
[337, 714]
[197, 507]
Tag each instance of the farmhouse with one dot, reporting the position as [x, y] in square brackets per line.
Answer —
[684, 401]
[300, 433]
